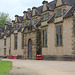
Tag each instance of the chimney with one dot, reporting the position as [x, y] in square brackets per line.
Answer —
[45, 5]
[34, 11]
[16, 18]
[5, 26]
[25, 15]
[44, 2]
[29, 10]
[13, 23]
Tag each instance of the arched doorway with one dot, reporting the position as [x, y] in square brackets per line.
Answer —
[30, 49]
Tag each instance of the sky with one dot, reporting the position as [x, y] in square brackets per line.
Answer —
[16, 7]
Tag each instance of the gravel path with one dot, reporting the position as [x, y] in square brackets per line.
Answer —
[39, 67]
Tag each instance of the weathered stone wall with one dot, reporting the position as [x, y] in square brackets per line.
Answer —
[2, 47]
[19, 50]
[66, 48]
[32, 36]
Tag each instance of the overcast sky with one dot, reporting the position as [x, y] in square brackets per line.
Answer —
[13, 7]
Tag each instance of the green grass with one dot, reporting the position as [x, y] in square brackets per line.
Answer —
[5, 67]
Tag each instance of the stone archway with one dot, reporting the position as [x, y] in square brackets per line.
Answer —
[30, 49]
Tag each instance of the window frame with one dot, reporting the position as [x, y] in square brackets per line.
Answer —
[15, 42]
[4, 42]
[45, 17]
[33, 21]
[59, 34]
[22, 40]
[5, 51]
[59, 12]
[44, 38]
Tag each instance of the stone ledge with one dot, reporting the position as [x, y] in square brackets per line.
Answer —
[60, 58]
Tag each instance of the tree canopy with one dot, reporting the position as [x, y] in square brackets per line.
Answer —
[4, 19]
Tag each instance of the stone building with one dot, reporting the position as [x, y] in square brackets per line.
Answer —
[48, 30]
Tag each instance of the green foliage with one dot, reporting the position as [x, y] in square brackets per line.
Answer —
[4, 19]
[5, 67]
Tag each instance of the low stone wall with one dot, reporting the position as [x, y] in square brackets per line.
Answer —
[60, 58]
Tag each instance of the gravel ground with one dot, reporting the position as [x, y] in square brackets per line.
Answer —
[41, 67]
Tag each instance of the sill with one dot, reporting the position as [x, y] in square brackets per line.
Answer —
[44, 46]
[22, 48]
[44, 20]
[58, 16]
[58, 45]
[15, 49]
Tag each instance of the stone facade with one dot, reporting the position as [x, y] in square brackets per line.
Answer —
[48, 30]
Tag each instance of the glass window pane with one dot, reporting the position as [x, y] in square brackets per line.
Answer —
[57, 30]
[59, 12]
[57, 36]
[43, 37]
[61, 29]
[15, 41]
[22, 41]
[60, 39]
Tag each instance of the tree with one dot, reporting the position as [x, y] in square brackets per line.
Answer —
[4, 19]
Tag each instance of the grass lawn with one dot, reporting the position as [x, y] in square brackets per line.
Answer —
[5, 67]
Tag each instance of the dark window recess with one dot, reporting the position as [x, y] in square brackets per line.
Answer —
[4, 42]
[44, 38]
[59, 35]
[74, 27]
[58, 12]
[45, 17]
[4, 51]
[22, 41]
[33, 21]
[64, 10]
[15, 40]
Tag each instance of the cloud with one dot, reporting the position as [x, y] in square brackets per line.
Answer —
[13, 7]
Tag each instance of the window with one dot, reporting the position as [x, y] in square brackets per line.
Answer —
[45, 17]
[45, 38]
[15, 40]
[59, 35]
[0, 34]
[33, 21]
[4, 51]
[58, 12]
[64, 10]
[4, 42]
[22, 41]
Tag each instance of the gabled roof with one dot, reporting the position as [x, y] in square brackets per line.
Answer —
[70, 2]
[20, 19]
[8, 27]
[50, 6]
[69, 12]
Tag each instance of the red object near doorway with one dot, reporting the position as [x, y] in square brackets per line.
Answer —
[38, 57]
[10, 57]
[73, 60]
[13, 57]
